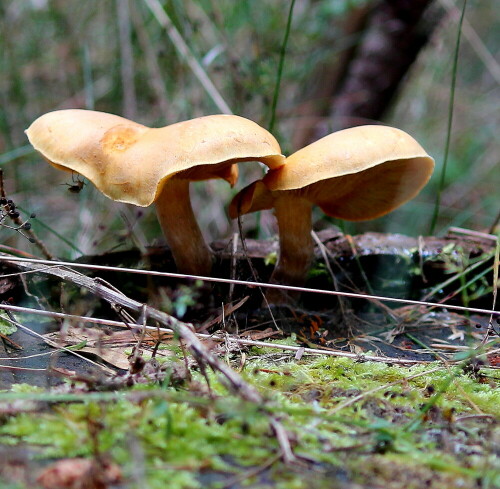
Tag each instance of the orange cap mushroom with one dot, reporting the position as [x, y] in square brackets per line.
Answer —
[355, 174]
[132, 163]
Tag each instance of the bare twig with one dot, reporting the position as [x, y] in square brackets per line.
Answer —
[242, 341]
[283, 440]
[472, 234]
[335, 282]
[27, 232]
[233, 264]
[495, 224]
[186, 334]
[353, 295]
[252, 269]
[183, 330]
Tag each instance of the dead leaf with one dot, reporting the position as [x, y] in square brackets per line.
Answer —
[112, 347]
[109, 347]
[79, 473]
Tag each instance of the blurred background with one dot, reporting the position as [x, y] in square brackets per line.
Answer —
[347, 62]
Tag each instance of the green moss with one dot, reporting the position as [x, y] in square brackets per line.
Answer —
[182, 439]
[25, 388]
[6, 327]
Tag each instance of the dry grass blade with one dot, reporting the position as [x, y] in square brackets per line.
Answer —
[475, 41]
[68, 350]
[183, 49]
[472, 234]
[496, 267]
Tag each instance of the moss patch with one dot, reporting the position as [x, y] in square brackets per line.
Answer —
[425, 426]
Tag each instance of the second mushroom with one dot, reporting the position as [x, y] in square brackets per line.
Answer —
[356, 174]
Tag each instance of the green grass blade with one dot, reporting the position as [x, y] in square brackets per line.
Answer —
[450, 121]
[280, 67]
[39, 223]
[16, 153]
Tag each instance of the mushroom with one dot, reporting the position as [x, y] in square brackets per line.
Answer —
[135, 164]
[356, 174]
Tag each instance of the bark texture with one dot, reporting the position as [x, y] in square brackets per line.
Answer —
[393, 33]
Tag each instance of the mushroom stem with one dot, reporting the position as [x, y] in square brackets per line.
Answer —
[293, 215]
[189, 250]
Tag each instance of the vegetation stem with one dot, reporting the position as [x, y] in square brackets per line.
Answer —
[450, 121]
[280, 67]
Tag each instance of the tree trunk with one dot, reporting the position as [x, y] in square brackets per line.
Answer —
[394, 32]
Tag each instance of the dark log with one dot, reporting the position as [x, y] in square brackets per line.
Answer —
[391, 265]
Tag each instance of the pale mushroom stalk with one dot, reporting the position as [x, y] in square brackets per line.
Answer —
[293, 215]
[175, 213]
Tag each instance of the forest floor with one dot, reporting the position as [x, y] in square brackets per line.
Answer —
[327, 393]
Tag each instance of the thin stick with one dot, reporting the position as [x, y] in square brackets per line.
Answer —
[216, 337]
[284, 442]
[496, 267]
[495, 224]
[185, 331]
[154, 273]
[252, 270]
[233, 265]
[13, 368]
[335, 282]
[186, 334]
[473, 234]
[28, 232]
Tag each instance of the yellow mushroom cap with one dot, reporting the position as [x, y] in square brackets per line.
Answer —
[129, 162]
[355, 174]
[342, 153]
